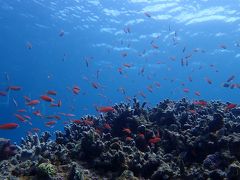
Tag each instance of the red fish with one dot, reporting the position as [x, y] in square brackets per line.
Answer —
[129, 138]
[50, 123]
[3, 93]
[231, 106]
[154, 140]
[9, 126]
[186, 90]
[154, 46]
[95, 85]
[76, 90]
[157, 84]
[150, 88]
[77, 121]
[27, 98]
[21, 118]
[33, 102]
[127, 130]
[105, 109]
[127, 65]
[22, 110]
[107, 126]
[201, 103]
[14, 88]
[46, 98]
[38, 113]
[209, 81]
[51, 92]
[197, 93]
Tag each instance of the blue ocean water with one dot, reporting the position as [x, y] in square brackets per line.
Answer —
[151, 49]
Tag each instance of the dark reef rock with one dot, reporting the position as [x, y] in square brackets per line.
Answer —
[174, 140]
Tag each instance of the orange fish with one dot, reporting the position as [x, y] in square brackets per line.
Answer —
[127, 65]
[33, 102]
[46, 98]
[3, 93]
[107, 126]
[27, 98]
[95, 85]
[197, 93]
[186, 90]
[209, 81]
[76, 90]
[105, 109]
[127, 130]
[50, 123]
[201, 103]
[21, 118]
[231, 106]
[14, 88]
[150, 88]
[22, 110]
[50, 92]
[154, 140]
[154, 46]
[9, 126]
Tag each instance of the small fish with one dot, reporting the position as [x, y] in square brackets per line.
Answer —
[147, 14]
[27, 98]
[127, 130]
[231, 106]
[209, 81]
[9, 126]
[14, 88]
[197, 93]
[50, 123]
[230, 78]
[107, 126]
[154, 140]
[150, 88]
[155, 46]
[51, 92]
[61, 33]
[105, 109]
[2, 93]
[77, 121]
[46, 98]
[95, 85]
[223, 46]
[29, 45]
[201, 103]
[129, 138]
[33, 102]
[76, 90]
[21, 118]
[186, 90]
[38, 113]
[15, 102]
[127, 65]
[22, 110]
[124, 54]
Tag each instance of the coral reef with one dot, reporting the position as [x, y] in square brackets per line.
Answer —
[174, 140]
